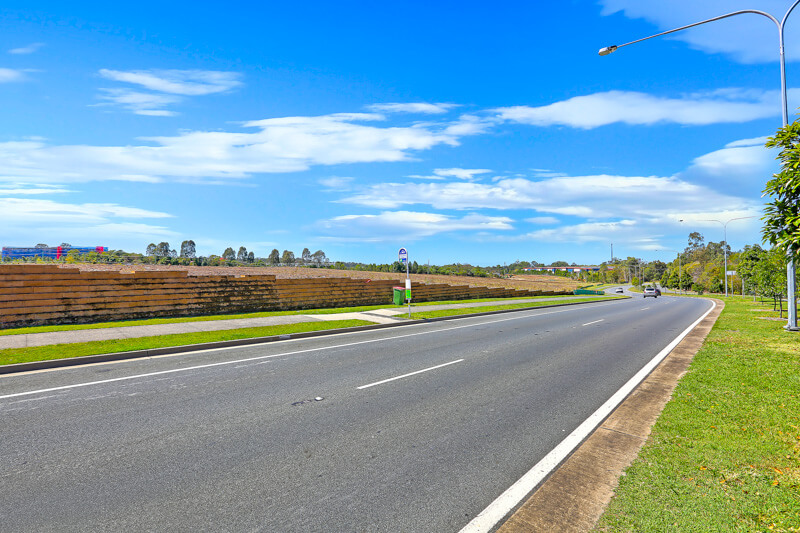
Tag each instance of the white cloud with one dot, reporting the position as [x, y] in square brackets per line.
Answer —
[29, 49]
[743, 165]
[139, 102]
[724, 36]
[336, 183]
[169, 86]
[288, 144]
[8, 75]
[182, 82]
[30, 189]
[417, 107]
[36, 220]
[634, 108]
[542, 221]
[600, 196]
[467, 174]
[407, 225]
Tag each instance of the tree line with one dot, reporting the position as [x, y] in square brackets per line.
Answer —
[162, 253]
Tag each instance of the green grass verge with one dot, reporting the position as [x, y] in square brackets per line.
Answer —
[486, 309]
[177, 320]
[725, 453]
[61, 351]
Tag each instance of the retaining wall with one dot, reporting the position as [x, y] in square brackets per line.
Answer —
[47, 294]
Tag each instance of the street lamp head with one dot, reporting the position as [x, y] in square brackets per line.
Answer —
[607, 50]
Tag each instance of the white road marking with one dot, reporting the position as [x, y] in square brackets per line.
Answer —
[409, 374]
[644, 308]
[499, 508]
[534, 313]
[595, 322]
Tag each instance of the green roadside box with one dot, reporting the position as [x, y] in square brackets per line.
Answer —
[398, 295]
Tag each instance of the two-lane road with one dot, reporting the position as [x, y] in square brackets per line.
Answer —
[416, 428]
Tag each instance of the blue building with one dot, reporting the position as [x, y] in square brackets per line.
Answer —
[52, 252]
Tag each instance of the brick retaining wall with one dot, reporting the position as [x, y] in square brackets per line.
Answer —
[47, 294]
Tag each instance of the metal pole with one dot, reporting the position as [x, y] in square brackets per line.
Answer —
[790, 266]
[408, 283]
[725, 254]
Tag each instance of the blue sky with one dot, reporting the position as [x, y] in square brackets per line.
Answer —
[463, 131]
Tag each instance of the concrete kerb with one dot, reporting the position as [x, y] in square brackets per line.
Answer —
[121, 356]
[573, 497]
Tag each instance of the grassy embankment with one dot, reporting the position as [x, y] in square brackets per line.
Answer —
[725, 453]
[58, 351]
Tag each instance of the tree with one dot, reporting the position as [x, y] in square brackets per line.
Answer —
[319, 258]
[695, 241]
[188, 249]
[229, 254]
[287, 258]
[162, 250]
[41, 246]
[151, 250]
[306, 256]
[274, 257]
[782, 213]
[241, 255]
[251, 258]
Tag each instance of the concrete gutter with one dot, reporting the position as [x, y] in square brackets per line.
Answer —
[121, 356]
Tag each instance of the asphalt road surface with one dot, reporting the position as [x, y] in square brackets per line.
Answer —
[416, 428]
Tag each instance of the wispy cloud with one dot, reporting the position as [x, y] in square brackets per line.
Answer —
[635, 108]
[182, 82]
[139, 102]
[336, 183]
[417, 107]
[467, 174]
[29, 49]
[31, 189]
[288, 144]
[408, 225]
[9, 75]
[36, 220]
[168, 87]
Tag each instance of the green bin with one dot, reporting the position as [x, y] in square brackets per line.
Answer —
[398, 296]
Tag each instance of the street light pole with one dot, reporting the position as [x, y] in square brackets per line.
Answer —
[790, 267]
[725, 246]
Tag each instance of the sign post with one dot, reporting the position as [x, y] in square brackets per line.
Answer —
[403, 258]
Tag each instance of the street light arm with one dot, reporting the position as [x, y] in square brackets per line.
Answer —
[608, 49]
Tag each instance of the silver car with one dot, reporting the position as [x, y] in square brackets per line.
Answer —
[650, 291]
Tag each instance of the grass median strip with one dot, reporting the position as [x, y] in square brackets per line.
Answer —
[725, 453]
[486, 309]
[61, 351]
[178, 320]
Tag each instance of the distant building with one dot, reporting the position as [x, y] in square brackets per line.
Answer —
[53, 252]
[573, 269]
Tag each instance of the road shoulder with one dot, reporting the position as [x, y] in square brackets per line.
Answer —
[574, 497]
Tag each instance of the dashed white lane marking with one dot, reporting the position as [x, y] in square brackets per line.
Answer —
[595, 322]
[409, 374]
[262, 357]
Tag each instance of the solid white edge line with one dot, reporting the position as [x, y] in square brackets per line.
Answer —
[595, 322]
[409, 374]
[535, 313]
[508, 500]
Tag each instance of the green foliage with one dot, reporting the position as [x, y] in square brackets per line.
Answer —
[782, 213]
